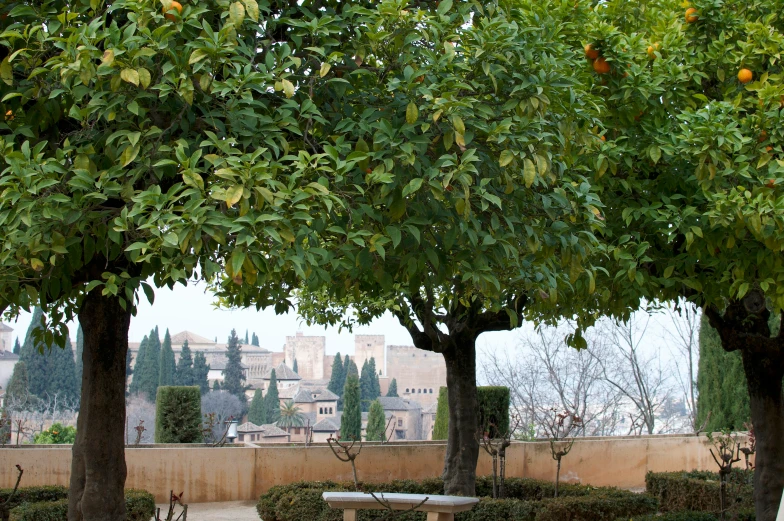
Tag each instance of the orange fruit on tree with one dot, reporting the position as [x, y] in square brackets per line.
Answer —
[763, 136]
[9, 115]
[691, 15]
[601, 66]
[590, 52]
[771, 183]
[603, 138]
[745, 76]
[174, 5]
[768, 148]
[652, 50]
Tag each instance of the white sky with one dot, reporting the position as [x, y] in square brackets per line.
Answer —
[191, 308]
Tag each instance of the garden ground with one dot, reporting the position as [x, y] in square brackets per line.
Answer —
[223, 511]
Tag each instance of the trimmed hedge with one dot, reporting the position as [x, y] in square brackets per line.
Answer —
[746, 515]
[51, 504]
[178, 415]
[532, 501]
[699, 491]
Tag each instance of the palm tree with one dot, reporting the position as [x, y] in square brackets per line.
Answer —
[290, 415]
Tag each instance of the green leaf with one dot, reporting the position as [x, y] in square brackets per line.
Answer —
[668, 271]
[196, 56]
[236, 14]
[324, 70]
[529, 172]
[190, 178]
[458, 125]
[655, 153]
[506, 157]
[444, 6]
[414, 185]
[412, 113]
[130, 76]
[252, 9]
[394, 234]
[6, 73]
[148, 291]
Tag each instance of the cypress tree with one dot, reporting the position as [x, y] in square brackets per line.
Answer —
[166, 366]
[441, 425]
[17, 347]
[346, 363]
[149, 382]
[246, 337]
[255, 340]
[721, 384]
[376, 423]
[351, 421]
[337, 376]
[216, 386]
[18, 390]
[376, 385]
[61, 371]
[140, 367]
[32, 354]
[272, 400]
[256, 410]
[296, 367]
[351, 370]
[184, 373]
[366, 387]
[233, 376]
[392, 391]
[200, 372]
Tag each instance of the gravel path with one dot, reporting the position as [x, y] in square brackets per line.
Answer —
[228, 511]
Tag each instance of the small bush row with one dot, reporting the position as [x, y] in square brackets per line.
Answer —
[533, 501]
[747, 515]
[699, 491]
[51, 504]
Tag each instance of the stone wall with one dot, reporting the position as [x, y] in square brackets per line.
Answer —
[243, 473]
[309, 353]
[417, 371]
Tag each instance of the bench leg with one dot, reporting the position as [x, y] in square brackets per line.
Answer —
[349, 514]
[440, 516]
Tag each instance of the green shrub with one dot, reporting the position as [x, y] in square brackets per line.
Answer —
[302, 500]
[744, 515]
[34, 494]
[697, 491]
[55, 435]
[441, 423]
[139, 506]
[178, 415]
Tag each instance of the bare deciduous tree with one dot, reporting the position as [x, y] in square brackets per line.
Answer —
[137, 410]
[638, 376]
[683, 338]
[223, 405]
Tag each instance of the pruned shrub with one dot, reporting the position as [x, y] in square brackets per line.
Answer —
[579, 503]
[178, 415]
[34, 494]
[47, 506]
[698, 491]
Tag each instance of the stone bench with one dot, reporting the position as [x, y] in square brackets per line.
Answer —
[438, 508]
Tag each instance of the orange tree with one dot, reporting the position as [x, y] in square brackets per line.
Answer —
[466, 207]
[139, 149]
[692, 173]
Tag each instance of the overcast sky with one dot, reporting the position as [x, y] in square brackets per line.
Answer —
[191, 308]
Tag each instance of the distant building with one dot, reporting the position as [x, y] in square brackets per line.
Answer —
[250, 432]
[408, 417]
[7, 357]
[308, 351]
[419, 373]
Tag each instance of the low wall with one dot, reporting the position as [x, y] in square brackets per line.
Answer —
[208, 474]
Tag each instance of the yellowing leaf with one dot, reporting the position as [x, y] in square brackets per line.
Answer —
[412, 113]
[458, 125]
[128, 155]
[460, 140]
[236, 13]
[529, 172]
[144, 77]
[130, 75]
[506, 157]
[36, 264]
[324, 70]
[286, 234]
[252, 9]
[288, 88]
[108, 57]
[233, 195]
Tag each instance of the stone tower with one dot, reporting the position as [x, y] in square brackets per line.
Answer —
[309, 353]
[6, 338]
[370, 346]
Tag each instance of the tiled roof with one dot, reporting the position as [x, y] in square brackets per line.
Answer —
[8, 355]
[5, 328]
[324, 395]
[271, 431]
[220, 365]
[192, 338]
[397, 404]
[304, 396]
[249, 427]
[326, 425]
[282, 372]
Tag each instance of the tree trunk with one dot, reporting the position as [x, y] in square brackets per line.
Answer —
[462, 448]
[98, 467]
[764, 378]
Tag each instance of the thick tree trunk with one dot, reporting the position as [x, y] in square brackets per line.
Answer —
[98, 468]
[462, 448]
[764, 378]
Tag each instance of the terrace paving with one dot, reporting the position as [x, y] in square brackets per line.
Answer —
[224, 511]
